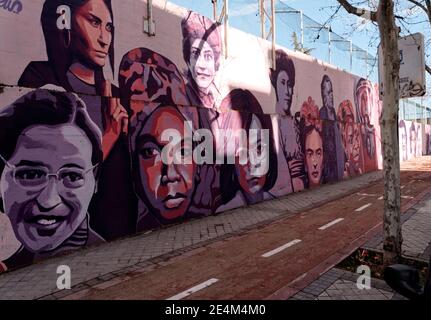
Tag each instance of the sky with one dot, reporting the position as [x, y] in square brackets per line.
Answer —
[243, 15]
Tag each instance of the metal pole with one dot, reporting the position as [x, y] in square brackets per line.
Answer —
[273, 33]
[329, 44]
[226, 26]
[262, 18]
[302, 28]
[214, 9]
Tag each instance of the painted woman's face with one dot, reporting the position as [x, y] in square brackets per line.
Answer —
[328, 95]
[252, 175]
[314, 157]
[353, 142]
[202, 64]
[168, 185]
[92, 29]
[44, 209]
[284, 92]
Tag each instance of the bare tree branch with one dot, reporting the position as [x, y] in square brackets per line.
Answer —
[428, 69]
[363, 13]
[425, 7]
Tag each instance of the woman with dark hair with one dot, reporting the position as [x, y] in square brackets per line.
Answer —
[351, 137]
[283, 81]
[148, 80]
[49, 153]
[312, 143]
[252, 175]
[77, 55]
[364, 102]
[202, 49]
[334, 154]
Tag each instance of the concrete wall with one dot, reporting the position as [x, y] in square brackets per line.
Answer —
[92, 104]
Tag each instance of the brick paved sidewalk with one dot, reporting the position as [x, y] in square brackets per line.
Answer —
[94, 265]
[416, 232]
[337, 284]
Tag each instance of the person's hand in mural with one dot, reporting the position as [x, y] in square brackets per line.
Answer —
[116, 120]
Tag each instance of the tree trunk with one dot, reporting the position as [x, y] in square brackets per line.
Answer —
[389, 129]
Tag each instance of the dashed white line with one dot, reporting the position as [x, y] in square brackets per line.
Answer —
[194, 289]
[366, 194]
[381, 198]
[402, 187]
[281, 248]
[407, 197]
[330, 224]
[363, 207]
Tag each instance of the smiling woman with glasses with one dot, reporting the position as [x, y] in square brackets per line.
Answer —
[49, 152]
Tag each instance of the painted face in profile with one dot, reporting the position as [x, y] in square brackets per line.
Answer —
[47, 185]
[92, 30]
[168, 185]
[202, 64]
[314, 157]
[252, 175]
[284, 92]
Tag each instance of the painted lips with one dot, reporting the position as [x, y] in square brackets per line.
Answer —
[172, 202]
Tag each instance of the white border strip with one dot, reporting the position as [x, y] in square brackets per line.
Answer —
[194, 289]
[281, 248]
[363, 207]
[330, 224]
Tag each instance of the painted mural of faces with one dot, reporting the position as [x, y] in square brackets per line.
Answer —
[314, 157]
[251, 179]
[45, 209]
[48, 179]
[283, 80]
[353, 143]
[364, 100]
[201, 49]
[403, 139]
[413, 139]
[92, 32]
[168, 187]
[202, 64]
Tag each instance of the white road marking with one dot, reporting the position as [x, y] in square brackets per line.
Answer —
[366, 194]
[281, 248]
[363, 207]
[330, 224]
[402, 187]
[381, 198]
[406, 197]
[194, 289]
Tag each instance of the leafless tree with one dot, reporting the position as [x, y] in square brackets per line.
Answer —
[385, 18]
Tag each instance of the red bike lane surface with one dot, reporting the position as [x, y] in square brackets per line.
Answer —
[327, 234]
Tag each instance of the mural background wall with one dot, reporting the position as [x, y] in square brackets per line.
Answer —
[83, 111]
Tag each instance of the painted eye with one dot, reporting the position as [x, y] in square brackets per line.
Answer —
[94, 23]
[29, 174]
[72, 179]
[148, 153]
[110, 27]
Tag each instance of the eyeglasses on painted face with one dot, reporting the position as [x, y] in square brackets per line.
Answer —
[37, 177]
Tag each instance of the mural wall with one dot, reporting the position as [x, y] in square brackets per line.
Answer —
[414, 139]
[105, 131]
